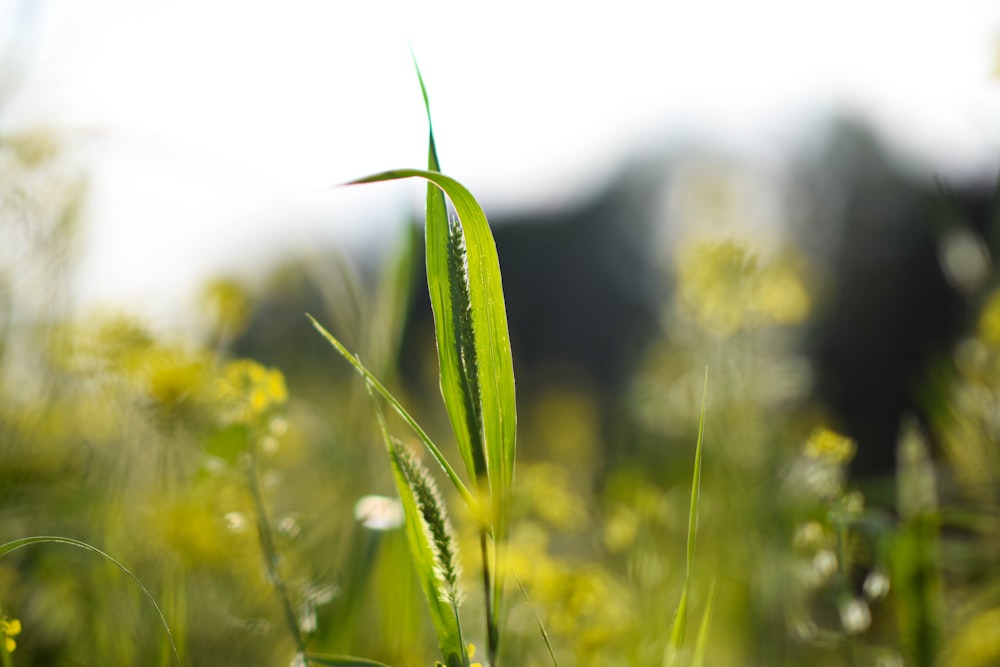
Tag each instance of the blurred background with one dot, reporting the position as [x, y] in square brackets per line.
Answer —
[799, 196]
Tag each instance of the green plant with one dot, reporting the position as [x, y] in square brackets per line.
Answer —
[477, 385]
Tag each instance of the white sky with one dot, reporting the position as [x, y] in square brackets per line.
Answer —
[206, 121]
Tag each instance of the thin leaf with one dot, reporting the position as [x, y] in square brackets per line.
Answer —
[342, 661]
[671, 657]
[397, 406]
[448, 284]
[676, 642]
[538, 620]
[391, 301]
[432, 158]
[14, 545]
[696, 483]
[701, 644]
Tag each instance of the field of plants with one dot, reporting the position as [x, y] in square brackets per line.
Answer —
[275, 491]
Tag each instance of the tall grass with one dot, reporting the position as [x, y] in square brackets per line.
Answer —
[477, 385]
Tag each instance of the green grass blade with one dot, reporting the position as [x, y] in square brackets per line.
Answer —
[477, 374]
[391, 303]
[448, 285]
[696, 483]
[701, 644]
[14, 545]
[342, 661]
[916, 551]
[541, 627]
[671, 657]
[456, 286]
[397, 406]
[494, 366]
[432, 158]
[677, 632]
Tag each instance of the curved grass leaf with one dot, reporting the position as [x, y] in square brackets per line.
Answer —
[342, 661]
[397, 406]
[673, 651]
[701, 643]
[538, 621]
[14, 545]
[492, 367]
[448, 284]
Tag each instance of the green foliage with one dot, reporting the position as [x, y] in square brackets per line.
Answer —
[477, 384]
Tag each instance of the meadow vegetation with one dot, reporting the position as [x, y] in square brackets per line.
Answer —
[296, 508]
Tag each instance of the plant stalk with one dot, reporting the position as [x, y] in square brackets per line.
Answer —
[269, 552]
[492, 631]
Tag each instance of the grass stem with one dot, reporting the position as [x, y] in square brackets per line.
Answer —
[492, 631]
[269, 552]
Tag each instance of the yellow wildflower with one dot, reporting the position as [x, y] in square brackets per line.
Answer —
[471, 651]
[249, 390]
[989, 321]
[826, 444]
[11, 628]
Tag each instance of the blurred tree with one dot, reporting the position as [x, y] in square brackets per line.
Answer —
[905, 263]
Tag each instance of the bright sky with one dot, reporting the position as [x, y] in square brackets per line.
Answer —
[206, 121]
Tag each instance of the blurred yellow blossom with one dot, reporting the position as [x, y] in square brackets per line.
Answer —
[976, 643]
[173, 378]
[782, 295]
[715, 286]
[471, 651]
[11, 628]
[829, 445]
[989, 321]
[724, 288]
[621, 527]
[227, 304]
[249, 391]
[547, 493]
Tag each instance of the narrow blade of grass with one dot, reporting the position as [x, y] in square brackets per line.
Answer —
[391, 303]
[397, 406]
[677, 632]
[450, 294]
[701, 644]
[541, 627]
[342, 661]
[916, 551]
[456, 323]
[696, 483]
[14, 545]
[672, 654]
